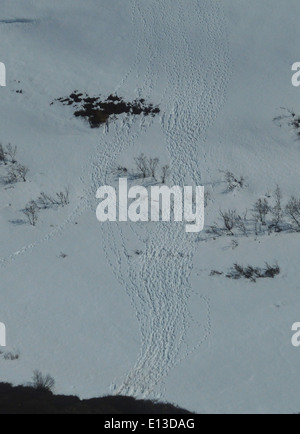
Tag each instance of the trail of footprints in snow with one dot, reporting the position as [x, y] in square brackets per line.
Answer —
[145, 303]
[160, 350]
[158, 285]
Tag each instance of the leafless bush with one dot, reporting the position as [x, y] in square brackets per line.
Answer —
[277, 211]
[143, 166]
[11, 356]
[11, 151]
[31, 212]
[271, 271]
[153, 163]
[233, 182]
[214, 230]
[17, 173]
[292, 119]
[253, 273]
[61, 199]
[120, 171]
[2, 154]
[22, 172]
[216, 273]
[240, 223]
[229, 220]
[293, 211]
[261, 210]
[234, 244]
[249, 272]
[146, 167]
[165, 173]
[44, 201]
[42, 382]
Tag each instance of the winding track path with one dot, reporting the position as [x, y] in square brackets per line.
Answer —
[158, 280]
[186, 47]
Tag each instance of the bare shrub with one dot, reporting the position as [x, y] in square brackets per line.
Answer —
[11, 151]
[253, 273]
[215, 230]
[61, 199]
[165, 173]
[249, 272]
[146, 167]
[31, 212]
[11, 356]
[216, 273]
[120, 171]
[17, 173]
[257, 225]
[12, 176]
[22, 172]
[45, 201]
[292, 119]
[229, 220]
[42, 382]
[153, 163]
[143, 166]
[277, 211]
[2, 154]
[271, 271]
[234, 244]
[233, 181]
[240, 223]
[261, 210]
[292, 209]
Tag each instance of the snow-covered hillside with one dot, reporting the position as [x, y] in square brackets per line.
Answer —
[132, 308]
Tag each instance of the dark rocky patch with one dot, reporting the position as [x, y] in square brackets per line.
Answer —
[98, 112]
[27, 400]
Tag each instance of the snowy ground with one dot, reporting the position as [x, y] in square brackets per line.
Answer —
[104, 320]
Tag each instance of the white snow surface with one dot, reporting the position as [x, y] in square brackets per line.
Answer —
[156, 325]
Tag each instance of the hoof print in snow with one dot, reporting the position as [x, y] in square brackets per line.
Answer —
[98, 112]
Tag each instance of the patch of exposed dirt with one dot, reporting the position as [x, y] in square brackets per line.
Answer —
[98, 111]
